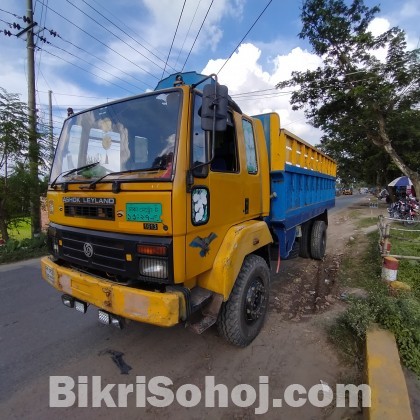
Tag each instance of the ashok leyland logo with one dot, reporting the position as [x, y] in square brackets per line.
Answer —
[88, 249]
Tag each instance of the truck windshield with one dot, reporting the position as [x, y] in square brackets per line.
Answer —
[137, 135]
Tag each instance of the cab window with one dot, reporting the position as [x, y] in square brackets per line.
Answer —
[225, 149]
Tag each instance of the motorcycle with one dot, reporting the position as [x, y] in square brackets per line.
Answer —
[406, 210]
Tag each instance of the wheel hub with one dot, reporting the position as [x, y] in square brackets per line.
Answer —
[255, 301]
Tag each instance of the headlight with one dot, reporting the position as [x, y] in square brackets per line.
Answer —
[154, 267]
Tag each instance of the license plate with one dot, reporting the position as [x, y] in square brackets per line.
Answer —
[49, 274]
[144, 212]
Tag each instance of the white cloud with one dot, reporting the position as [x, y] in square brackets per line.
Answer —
[410, 10]
[378, 26]
[243, 73]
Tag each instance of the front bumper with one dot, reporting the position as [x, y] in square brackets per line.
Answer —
[155, 308]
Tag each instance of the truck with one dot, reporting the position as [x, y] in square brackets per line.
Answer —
[167, 207]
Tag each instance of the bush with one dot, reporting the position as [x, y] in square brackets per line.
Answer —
[14, 250]
[400, 315]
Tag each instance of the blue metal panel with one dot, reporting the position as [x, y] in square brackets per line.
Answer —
[190, 78]
[300, 195]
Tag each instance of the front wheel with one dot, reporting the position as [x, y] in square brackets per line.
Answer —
[242, 316]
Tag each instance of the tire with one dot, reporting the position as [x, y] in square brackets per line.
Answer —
[318, 240]
[411, 221]
[242, 316]
[305, 240]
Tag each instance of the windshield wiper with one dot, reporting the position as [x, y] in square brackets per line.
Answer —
[72, 171]
[129, 171]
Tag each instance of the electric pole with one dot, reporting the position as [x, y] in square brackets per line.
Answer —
[33, 154]
[51, 131]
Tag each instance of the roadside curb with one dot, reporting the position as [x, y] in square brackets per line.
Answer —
[384, 375]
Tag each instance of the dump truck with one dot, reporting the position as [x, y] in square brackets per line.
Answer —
[169, 207]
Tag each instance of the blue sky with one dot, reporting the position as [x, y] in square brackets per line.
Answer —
[88, 65]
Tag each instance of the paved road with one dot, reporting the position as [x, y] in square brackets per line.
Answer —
[36, 330]
[39, 337]
[344, 201]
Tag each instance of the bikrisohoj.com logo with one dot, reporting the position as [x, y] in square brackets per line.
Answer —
[158, 391]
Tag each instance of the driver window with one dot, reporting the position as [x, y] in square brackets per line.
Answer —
[199, 154]
[225, 150]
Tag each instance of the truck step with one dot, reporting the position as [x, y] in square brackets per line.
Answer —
[199, 298]
[209, 314]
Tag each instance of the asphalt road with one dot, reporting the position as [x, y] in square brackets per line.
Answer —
[37, 332]
[39, 337]
[344, 201]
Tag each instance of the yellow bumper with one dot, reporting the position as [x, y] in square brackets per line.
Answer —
[161, 309]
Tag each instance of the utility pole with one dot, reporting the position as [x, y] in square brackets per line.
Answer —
[51, 131]
[35, 203]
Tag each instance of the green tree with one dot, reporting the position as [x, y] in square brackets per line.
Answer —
[355, 97]
[13, 149]
[14, 193]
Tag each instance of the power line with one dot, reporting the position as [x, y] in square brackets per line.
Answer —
[10, 13]
[49, 87]
[251, 92]
[83, 69]
[94, 56]
[101, 5]
[173, 39]
[188, 32]
[116, 36]
[87, 71]
[102, 43]
[40, 54]
[123, 31]
[249, 30]
[93, 65]
[77, 96]
[198, 33]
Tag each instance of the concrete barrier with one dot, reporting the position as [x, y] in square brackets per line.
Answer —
[389, 394]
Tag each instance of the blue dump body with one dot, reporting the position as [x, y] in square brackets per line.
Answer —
[302, 182]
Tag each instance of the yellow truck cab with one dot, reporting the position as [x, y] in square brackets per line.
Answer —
[159, 208]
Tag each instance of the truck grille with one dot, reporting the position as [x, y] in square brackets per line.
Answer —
[111, 255]
[96, 252]
[89, 211]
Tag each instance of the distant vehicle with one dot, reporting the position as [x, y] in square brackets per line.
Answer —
[347, 191]
[364, 190]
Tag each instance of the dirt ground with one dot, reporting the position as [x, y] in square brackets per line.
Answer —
[292, 348]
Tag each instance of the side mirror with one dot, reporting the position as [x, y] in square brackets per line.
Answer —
[214, 107]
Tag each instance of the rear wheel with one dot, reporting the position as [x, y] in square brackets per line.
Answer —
[411, 221]
[242, 316]
[318, 239]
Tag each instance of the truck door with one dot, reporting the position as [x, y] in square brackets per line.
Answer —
[252, 185]
[217, 199]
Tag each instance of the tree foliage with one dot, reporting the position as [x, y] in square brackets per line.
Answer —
[357, 99]
[13, 152]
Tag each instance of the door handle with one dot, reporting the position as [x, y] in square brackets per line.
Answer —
[246, 208]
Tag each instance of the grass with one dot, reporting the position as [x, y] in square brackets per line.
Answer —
[398, 312]
[22, 231]
[405, 242]
[21, 246]
[366, 222]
